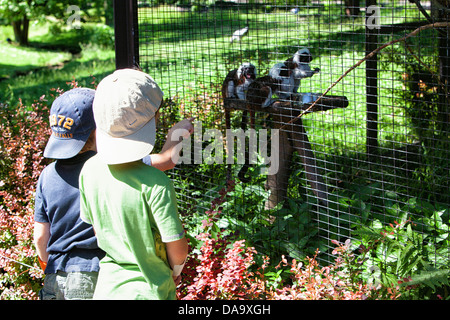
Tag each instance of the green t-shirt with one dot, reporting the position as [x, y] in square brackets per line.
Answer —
[131, 206]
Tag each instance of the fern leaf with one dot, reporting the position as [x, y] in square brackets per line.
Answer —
[432, 278]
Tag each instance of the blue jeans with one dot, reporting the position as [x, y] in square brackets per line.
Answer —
[69, 286]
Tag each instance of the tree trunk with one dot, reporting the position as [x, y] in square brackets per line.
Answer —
[352, 8]
[20, 28]
[109, 13]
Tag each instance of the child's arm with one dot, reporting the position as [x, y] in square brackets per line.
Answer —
[177, 252]
[165, 160]
[41, 237]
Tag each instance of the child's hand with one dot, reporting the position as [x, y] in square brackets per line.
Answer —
[170, 152]
[185, 125]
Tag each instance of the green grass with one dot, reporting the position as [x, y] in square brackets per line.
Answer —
[189, 52]
[18, 60]
[84, 70]
[30, 72]
[189, 55]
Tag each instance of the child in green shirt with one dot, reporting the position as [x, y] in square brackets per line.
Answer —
[131, 205]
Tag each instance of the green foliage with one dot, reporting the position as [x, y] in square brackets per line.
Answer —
[24, 133]
[15, 9]
[20, 12]
[401, 253]
[73, 40]
[435, 279]
[423, 96]
[222, 267]
[39, 9]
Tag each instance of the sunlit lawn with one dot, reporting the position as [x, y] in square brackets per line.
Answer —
[30, 72]
[186, 52]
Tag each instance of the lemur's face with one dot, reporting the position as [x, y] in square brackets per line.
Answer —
[248, 72]
[285, 72]
[306, 57]
[303, 56]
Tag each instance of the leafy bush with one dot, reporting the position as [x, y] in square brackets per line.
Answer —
[425, 99]
[99, 34]
[24, 134]
[222, 266]
[401, 254]
[223, 269]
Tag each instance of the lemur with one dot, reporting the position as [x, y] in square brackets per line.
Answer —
[259, 96]
[235, 86]
[237, 81]
[301, 60]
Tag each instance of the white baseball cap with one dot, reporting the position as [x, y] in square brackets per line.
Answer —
[124, 108]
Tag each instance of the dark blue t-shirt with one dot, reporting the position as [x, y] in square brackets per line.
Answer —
[72, 245]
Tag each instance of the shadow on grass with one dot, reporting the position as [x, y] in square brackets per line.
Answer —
[34, 84]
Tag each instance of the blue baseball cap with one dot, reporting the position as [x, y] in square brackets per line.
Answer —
[71, 121]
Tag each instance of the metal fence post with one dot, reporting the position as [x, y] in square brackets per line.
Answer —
[371, 87]
[126, 33]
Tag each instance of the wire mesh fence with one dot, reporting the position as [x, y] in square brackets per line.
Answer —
[371, 152]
